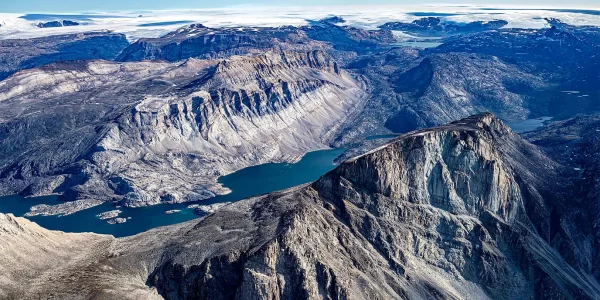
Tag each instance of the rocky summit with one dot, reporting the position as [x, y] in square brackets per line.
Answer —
[468, 210]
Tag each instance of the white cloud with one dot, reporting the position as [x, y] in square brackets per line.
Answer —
[131, 24]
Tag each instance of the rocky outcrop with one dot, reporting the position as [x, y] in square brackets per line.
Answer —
[62, 209]
[575, 143]
[467, 210]
[163, 132]
[408, 91]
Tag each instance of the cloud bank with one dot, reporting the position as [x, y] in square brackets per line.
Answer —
[155, 23]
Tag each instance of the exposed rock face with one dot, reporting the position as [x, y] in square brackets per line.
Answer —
[17, 55]
[114, 221]
[566, 54]
[463, 211]
[207, 209]
[348, 38]
[409, 91]
[515, 73]
[119, 128]
[197, 120]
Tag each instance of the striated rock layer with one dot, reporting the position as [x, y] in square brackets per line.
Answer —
[468, 210]
[163, 132]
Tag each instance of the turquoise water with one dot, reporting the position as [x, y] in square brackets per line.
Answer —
[244, 183]
[528, 125]
[418, 44]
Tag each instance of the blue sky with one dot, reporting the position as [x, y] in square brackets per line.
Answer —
[22, 6]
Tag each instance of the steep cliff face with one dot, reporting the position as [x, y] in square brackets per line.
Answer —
[489, 199]
[196, 119]
[245, 111]
[463, 211]
[467, 210]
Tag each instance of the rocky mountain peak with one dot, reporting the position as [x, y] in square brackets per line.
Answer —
[442, 213]
[426, 216]
[427, 22]
[460, 167]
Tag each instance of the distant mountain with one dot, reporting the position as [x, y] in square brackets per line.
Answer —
[434, 26]
[332, 20]
[57, 24]
[23, 54]
[468, 210]
[199, 41]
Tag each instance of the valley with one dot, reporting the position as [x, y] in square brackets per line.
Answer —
[492, 197]
[421, 158]
[248, 182]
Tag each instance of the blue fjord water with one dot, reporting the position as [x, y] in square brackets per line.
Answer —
[244, 183]
[528, 125]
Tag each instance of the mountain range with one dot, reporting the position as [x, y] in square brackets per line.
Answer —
[466, 210]
[457, 206]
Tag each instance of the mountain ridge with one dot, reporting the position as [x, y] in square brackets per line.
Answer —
[223, 115]
[371, 229]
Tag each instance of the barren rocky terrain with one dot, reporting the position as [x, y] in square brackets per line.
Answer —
[456, 206]
[462, 211]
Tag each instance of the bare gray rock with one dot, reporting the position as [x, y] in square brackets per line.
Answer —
[461, 211]
[153, 132]
[109, 214]
[116, 221]
[62, 209]
[208, 209]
